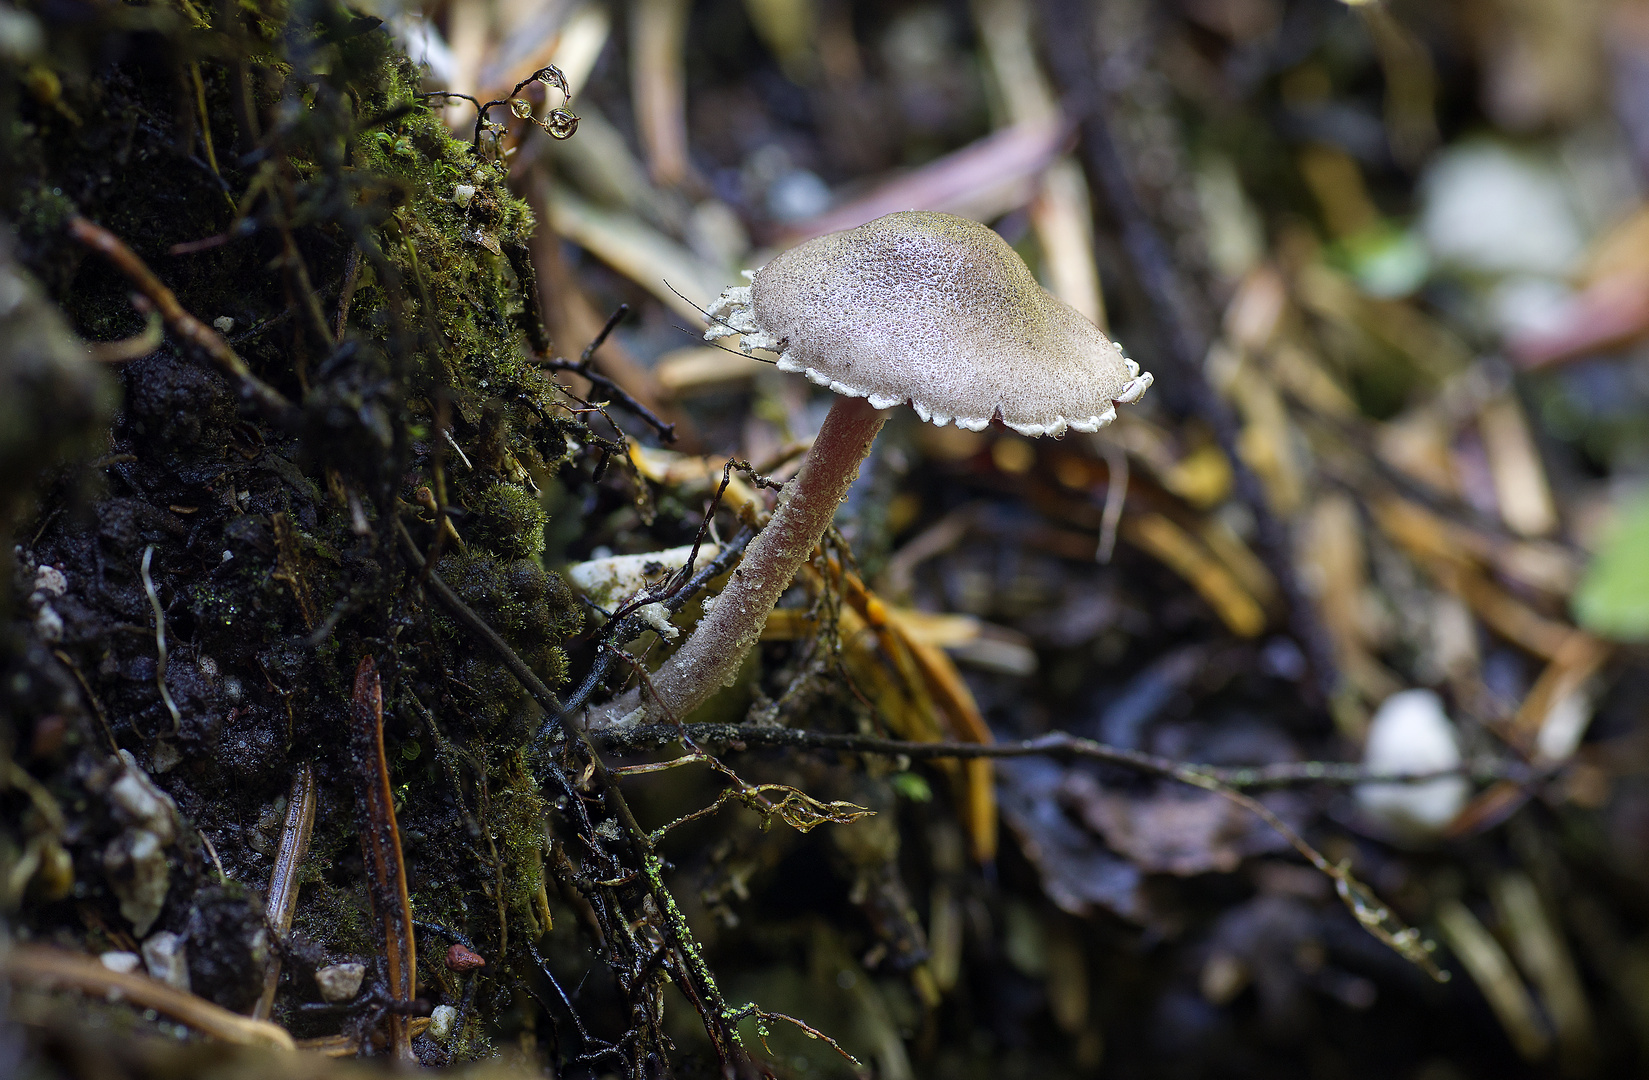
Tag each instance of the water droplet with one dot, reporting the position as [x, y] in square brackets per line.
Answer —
[521, 108]
[561, 124]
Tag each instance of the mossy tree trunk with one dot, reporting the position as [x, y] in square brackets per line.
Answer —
[274, 167]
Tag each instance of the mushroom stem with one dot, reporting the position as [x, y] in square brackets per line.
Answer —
[711, 657]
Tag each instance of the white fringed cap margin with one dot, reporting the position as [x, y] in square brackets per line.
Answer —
[938, 311]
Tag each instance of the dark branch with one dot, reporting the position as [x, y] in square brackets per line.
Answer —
[1056, 744]
[584, 366]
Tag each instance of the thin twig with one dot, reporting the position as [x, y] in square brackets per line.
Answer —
[283, 878]
[381, 847]
[97, 706]
[160, 640]
[183, 324]
[1057, 744]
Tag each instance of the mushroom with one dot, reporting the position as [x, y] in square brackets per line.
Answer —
[919, 307]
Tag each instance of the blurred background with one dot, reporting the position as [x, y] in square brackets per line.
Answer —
[1390, 266]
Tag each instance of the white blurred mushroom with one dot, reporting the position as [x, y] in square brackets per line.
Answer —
[1412, 735]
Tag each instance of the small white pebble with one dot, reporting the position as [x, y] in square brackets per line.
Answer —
[442, 1021]
[163, 758]
[463, 193]
[1410, 733]
[123, 962]
[166, 960]
[227, 554]
[340, 982]
[224, 324]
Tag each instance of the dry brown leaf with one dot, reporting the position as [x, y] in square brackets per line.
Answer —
[1520, 487]
[658, 84]
[1182, 832]
[1179, 551]
[1576, 661]
[679, 279]
[1334, 557]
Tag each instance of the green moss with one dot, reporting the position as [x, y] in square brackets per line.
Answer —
[508, 520]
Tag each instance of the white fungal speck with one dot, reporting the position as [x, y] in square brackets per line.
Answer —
[49, 580]
[48, 624]
[463, 193]
[657, 616]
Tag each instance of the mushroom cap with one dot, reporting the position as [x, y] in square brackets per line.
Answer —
[938, 311]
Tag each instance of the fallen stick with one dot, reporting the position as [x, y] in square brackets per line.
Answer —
[46, 967]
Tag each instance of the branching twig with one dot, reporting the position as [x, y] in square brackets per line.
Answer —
[625, 626]
[762, 1017]
[794, 807]
[561, 124]
[1057, 744]
[696, 975]
[1364, 906]
[619, 396]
